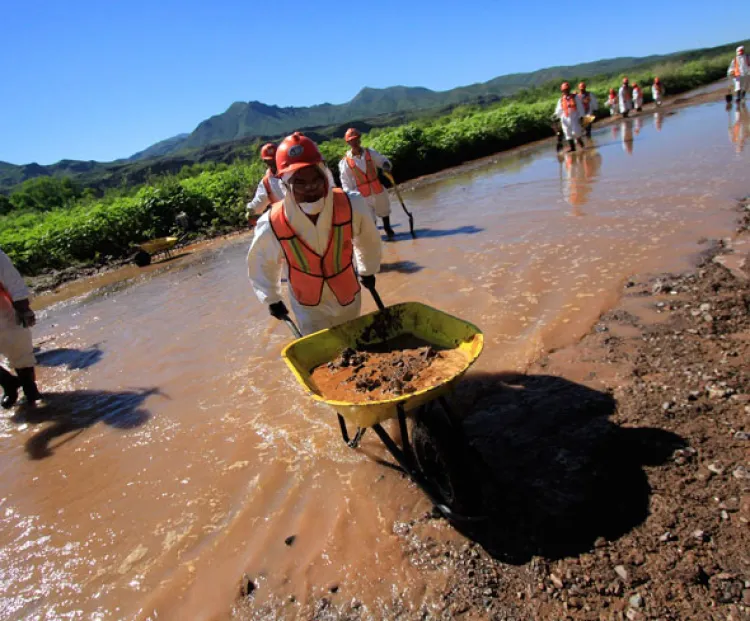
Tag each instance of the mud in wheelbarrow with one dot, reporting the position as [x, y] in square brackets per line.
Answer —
[436, 455]
[149, 249]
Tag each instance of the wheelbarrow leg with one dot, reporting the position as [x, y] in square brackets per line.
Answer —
[354, 442]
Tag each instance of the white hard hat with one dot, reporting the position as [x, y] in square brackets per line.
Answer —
[741, 48]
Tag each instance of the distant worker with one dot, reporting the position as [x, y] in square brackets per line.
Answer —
[270, 189]
[323, 239]
[626, 98]
[589, 104]
[637, 97]
[739, 71]
[612, 102]
[657, 92]
[570, 112]
[359, 173]
[16, 321]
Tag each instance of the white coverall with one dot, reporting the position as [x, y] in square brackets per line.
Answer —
[657, 91]
[261, 200]
[379, 203]
[571, 123]
[15, 340]
[593, 103]
[612, 103]
[742, 81]
[266, 261]
[637, 98]
[626, 99]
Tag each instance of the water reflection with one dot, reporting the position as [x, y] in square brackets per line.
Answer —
[658, 120]
[738, 126]
[578, 172]
[626, 127]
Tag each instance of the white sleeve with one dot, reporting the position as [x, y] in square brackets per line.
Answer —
[348, 182]
[378, 158]
[594, 103]
[259, 203]
[11, 279]
[731, 67]
[265, 262]
[367, 244]
[558, 109]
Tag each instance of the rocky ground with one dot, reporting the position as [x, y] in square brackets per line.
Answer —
[615, 474]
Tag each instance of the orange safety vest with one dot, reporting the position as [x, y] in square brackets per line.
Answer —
[568, 103]
[267, 184]
[737, 64]
[656, 89]
[308, 271]
[627, 94]
[612, 100]
[586, 100]
[367, 182]
[637, 92]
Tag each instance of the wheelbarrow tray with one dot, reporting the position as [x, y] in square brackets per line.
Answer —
[160, 244]
[429, 324]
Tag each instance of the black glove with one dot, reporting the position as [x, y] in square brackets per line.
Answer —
[368, 282]
[278, 310]
[24, 315]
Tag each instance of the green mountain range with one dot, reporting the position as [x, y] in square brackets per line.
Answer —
[231, 134]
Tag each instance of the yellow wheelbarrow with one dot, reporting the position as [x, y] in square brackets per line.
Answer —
[436, 458]
[149, 249]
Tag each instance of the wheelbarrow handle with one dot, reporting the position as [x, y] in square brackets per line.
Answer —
[375, 296]
[292, 326]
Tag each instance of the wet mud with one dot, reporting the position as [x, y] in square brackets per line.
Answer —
[393, 368]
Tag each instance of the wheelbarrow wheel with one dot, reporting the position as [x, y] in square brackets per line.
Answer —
[444, 460]
[142, 258]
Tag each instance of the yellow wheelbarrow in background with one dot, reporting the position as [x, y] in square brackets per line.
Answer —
[149, 249]
[436, 456]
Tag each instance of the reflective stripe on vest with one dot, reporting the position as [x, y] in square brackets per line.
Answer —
[367, 182]
[308, 271]
[568, 104]
[272, 196]
[737, 72]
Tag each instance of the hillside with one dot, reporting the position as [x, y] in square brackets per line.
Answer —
[234, 133]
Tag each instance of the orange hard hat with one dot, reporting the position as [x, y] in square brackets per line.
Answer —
[351, 134]
[656, 80]
[635, 84]
[295, 152]
[611, 91]
[582, 86]
[268, 152]
[564, 87]
[625, 80]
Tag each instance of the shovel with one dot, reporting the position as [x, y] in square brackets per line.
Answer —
[389, 176]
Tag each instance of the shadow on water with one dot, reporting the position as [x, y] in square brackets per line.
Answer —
[555, 472]
[403, 267]
[73, 359]
[430, 233]
[75, 411]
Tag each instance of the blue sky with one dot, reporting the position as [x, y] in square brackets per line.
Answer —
[103, 79]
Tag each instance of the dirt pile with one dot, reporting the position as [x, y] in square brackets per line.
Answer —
[396, 367]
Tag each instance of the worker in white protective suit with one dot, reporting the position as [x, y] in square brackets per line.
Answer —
[657, 92]
[570, 113]
[612, 102]
[589, 104]
[270, 189]
[739, 71]
[358, 170]
[323, 239]
[637, 97]
[626, 98]
[16, 319]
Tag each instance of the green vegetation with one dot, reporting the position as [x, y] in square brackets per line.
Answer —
[74, 227]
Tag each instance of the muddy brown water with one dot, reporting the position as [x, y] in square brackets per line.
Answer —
[176, 452]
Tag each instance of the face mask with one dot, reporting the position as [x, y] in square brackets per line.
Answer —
[313, 209]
